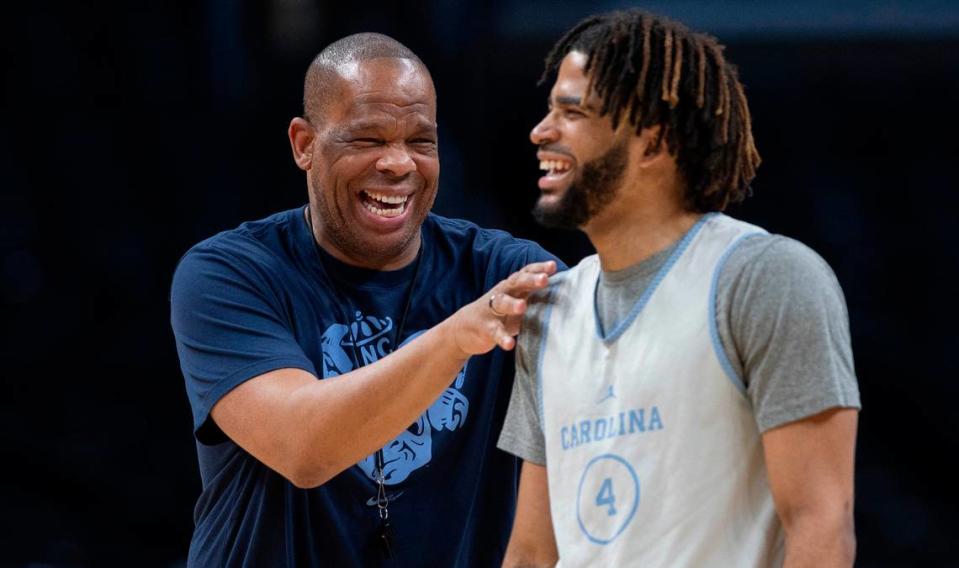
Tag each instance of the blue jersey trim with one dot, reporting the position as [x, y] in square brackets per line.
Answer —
[622, 326]
[724, 362]
[539, 363]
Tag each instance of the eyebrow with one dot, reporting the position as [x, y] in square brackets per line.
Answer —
[361, 125]
[365, 125]
[569, 100]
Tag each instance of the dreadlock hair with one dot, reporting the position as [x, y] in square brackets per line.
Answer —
[653, 71]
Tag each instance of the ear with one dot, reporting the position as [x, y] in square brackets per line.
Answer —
[651, 146]
[301, 135]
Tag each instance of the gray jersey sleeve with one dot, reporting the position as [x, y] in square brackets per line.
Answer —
[782, 319]
[522, 433]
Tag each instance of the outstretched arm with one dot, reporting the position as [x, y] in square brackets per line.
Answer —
[310, 430]
[810, 465]
[532, 543]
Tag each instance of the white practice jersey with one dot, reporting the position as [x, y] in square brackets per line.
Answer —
[654, 456]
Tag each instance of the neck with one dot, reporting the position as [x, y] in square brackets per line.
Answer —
[637, 233]
[394, 262]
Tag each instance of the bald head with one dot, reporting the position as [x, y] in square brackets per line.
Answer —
[339, 58]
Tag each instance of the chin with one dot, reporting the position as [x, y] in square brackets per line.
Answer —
[387, 250]
[559, 215]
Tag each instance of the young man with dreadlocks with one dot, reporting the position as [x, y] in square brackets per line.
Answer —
[686, 397]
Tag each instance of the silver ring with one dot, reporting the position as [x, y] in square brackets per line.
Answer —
[492, 309]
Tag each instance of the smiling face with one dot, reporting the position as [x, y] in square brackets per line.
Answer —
[583, 156]
[372, 164]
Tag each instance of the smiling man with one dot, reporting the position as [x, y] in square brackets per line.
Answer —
[686, 397]
[316, 445]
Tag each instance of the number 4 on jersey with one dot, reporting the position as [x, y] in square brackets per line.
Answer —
[606, 497]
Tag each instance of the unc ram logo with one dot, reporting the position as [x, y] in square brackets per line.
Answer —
[413, 448]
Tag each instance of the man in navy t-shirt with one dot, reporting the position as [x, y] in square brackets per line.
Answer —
[291, 471]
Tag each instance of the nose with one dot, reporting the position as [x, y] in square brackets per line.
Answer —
[395, 161]
[544, 131]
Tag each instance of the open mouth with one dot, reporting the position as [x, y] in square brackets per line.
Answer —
[383, 204]
[555, 167]
[556, 170]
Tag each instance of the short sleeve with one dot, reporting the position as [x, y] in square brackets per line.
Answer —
[522, 433]
[517, 253]
[786, 318]
[535, 253]
[228, 327]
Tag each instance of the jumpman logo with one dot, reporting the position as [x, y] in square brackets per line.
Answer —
[609, 394]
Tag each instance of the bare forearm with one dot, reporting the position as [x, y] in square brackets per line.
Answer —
[341, 420]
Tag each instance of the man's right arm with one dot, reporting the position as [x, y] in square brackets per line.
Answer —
[310, 430]
[532, 543]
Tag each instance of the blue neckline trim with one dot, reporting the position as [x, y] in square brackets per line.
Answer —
[724, 361]
[622, 326]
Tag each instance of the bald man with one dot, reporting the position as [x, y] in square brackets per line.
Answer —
[316, 445]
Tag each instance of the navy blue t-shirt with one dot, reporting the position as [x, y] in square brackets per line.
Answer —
[264, 297]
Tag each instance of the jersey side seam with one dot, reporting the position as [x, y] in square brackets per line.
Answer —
[539, 368]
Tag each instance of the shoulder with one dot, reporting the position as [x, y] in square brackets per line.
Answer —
[250, 255]
[556, 293]
[251, 242]
[770, 280]
[772, 261]
[501, 249]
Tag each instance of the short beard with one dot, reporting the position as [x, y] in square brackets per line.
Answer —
[590, 194]
[349, 240]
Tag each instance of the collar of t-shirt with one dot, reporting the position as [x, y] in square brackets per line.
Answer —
[366, 278]
[618, 290]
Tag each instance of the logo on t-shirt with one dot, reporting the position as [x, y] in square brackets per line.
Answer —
[413, 448]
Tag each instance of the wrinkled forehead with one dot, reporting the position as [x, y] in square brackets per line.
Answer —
[385, 84]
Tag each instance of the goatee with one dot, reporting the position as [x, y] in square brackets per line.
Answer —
[585, 197]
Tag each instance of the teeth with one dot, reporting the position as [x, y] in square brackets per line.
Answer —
[384, 198]
[385, 212]
[554, 166]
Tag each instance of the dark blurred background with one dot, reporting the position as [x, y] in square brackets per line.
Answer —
[130, 132]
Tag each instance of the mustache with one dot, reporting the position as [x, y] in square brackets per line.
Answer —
[409, 180]
[556, 149]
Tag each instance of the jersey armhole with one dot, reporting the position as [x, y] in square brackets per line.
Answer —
[734, 377]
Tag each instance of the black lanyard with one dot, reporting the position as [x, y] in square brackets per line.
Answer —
[385, 537]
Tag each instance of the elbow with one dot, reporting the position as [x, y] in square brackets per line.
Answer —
[527, 563]
[846, 540]
[307, 466]
[528, 554]
[833, 515]
[307, 480]
[829, 531]
[305, 475]
[850, 548]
